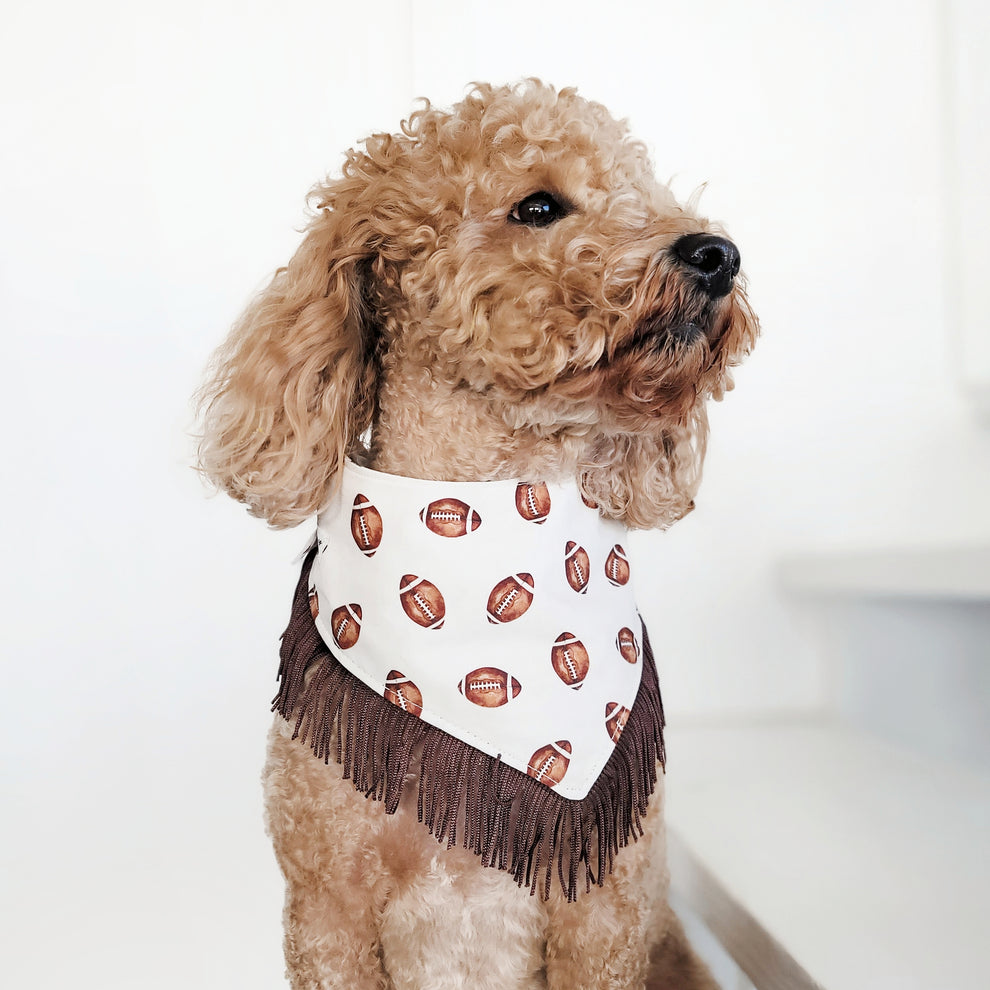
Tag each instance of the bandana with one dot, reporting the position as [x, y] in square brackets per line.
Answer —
[496, 622]
[501, 612]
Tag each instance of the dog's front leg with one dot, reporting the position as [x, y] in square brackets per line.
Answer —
[452, 924]
[599, 942]
[602, 941]
[323, 832]
[331, 941]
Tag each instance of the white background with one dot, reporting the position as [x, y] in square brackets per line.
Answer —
[155, 159]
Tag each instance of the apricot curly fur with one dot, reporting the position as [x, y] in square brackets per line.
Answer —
[419, 330]
[414, 307]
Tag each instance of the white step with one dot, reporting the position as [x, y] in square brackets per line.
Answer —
[822, 855]
[953, 573]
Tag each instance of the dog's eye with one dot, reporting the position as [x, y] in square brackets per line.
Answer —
[539, 209]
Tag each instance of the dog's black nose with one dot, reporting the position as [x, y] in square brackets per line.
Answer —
[714, 261]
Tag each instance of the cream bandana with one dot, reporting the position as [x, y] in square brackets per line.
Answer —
[500, 612]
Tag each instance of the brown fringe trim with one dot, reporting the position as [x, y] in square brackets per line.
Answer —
[510, 820]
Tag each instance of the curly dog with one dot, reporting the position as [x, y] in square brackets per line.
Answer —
[500, 291]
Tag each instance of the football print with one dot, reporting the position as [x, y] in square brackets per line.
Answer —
[402, 692]
[549, 763]
[421, 601]
[510, 598]
[577, 567]
[617, 566]
[616, 716]
[314, 602]
[489, 687]
[366, 526]
[627, 644]
[450, 517]
[533, 501]
[570, 660]
[345, 625]
[590, 503]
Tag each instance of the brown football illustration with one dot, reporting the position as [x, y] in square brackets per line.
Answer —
[533, 501]
[617, 566]
[402, 692]
[421, 601]
[549, 763]
[366, 526]
[314, 602]
[577, 567]
[590, 503]
[570, 660]
[489, 687]
[510, 598]
[627, 644]
[345, 625]
[450, 517]
[616, 716]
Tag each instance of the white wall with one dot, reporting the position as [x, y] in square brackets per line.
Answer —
[966, 41]
[155, 160]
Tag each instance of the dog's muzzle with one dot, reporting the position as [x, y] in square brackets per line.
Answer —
[712, 261]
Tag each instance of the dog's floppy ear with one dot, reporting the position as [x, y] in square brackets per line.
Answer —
[648, 481]
[293, 387]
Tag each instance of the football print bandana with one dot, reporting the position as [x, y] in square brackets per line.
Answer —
[499, 612]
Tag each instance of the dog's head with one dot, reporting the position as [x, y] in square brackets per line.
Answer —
[517, 249]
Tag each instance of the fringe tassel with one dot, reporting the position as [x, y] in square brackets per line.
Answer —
[512, 822]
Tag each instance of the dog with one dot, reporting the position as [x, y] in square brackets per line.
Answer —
[496, 292]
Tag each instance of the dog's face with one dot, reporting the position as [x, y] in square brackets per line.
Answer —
[553, 273]
[517, 249]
